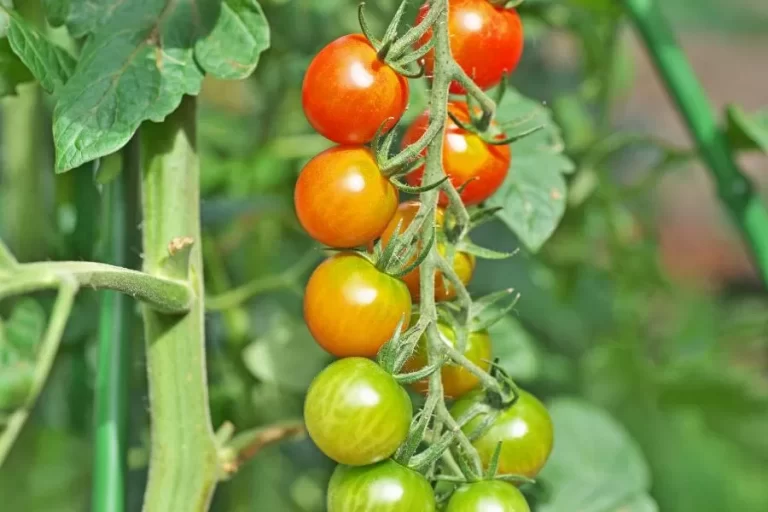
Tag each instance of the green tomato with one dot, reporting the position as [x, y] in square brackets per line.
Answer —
[383, 487]
[357, 413]
[488, 496]
[524, 429]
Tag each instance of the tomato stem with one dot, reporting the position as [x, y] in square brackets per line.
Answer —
[184, 466]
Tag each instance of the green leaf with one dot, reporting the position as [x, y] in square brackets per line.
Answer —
[135, 66]
[595, 465]
[272, 357]
[515, 348]
[15, 382]
[747, 131]
[49, 63]
[24, 328]
[232, 50]
[13, 72]
[56, 11]
[534, 194]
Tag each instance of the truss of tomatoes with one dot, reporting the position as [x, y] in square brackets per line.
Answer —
[356, 412]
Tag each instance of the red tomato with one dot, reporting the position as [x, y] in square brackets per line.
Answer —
[486, 41]
[342, 199]
[463, 263]
[348, 93]
[352, 308]
[465, 157]
[456, 379]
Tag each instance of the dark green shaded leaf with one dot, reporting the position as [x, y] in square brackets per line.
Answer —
[136, 66]
[747, 131]
[241, 34]
[595, 465]
[56, 11]
[515, 348]
[12, 71]
[49, 63]
[534, 193]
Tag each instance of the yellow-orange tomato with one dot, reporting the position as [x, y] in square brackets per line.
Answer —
[352, 308]
[463, 263]
[470, 162]
[456, 380]
[342, 199]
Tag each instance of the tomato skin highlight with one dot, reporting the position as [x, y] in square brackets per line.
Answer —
[342, 199]
[357, 413]
[466, 158]
[383, 487]
[525, 429]
[457, 381]
[352, 308]
[463, 263]
[487, 496]
[486, 41]
[348, 93]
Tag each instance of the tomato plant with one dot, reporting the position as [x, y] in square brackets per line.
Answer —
[356, 413]
[463, 262]
[341, 198]
[486, 41]
[524, 429]
[352, 308]
[457, 380]
[383, 486]
[348, 93]
[487, 496]
[474, 166]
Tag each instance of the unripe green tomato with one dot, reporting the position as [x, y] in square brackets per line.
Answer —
[383, 487]
[524, 429]
[356, 412]
[488, 496]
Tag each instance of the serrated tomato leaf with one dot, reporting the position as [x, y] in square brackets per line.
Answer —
[595, 465]
[134, 67]
[747, 131]
[50, 64]
[533, 196]
[232, 50]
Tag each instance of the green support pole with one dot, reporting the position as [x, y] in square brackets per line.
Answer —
[734, 189]
[116, 319]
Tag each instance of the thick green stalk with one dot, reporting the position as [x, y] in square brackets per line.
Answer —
[115, 336]
[183, 467]
[733, 187]
[23, 210]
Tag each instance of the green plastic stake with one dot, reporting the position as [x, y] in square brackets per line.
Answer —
[734, 189]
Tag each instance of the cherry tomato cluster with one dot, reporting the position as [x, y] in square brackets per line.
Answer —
[356, 411]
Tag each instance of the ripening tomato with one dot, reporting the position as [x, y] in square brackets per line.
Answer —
[524, 429]
[456, 379]
[466, 158]
[487, 496]
[352, 308]
[357, 413]
[486, 41]
[463, 262]
[342, 199]
[383, 487]
[348, 93]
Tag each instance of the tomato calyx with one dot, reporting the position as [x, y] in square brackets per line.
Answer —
[508, 4]
[391, 50]
[479, 123]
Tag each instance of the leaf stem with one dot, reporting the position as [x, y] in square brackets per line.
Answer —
[163, 294]
[47, 354]
[734, 189]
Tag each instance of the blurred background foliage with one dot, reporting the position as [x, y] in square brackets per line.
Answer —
[641, 321]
